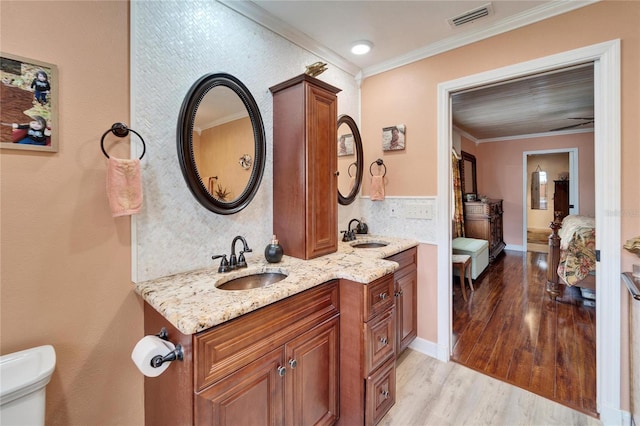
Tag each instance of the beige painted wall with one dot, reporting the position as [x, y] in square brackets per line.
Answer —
[499, 169]
[65, 266]
[409, 95]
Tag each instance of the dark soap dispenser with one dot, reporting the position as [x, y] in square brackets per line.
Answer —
[273, 252]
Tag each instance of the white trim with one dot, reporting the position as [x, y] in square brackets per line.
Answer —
[606, 58]
[573, 184]
[133, 12]
[515, 247]
[425, 346]
[535, 135]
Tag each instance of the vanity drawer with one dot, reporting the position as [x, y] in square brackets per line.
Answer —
[378, 296]
[226, 348]
[381, 392]
[379, 338]
[407, 258]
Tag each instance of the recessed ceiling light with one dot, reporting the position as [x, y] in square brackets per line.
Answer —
[361, 47]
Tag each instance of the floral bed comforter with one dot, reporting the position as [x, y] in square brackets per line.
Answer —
[578, 244]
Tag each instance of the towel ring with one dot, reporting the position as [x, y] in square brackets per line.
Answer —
[121, 130]
[379, 162]
[349, 168]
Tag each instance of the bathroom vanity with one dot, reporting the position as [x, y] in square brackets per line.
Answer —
[318, 347]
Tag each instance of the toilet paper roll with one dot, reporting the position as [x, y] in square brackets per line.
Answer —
[146, 349]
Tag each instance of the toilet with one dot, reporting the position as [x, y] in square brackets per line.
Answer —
[25, 374]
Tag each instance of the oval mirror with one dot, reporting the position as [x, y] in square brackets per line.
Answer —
[350, 160]
[221, 143]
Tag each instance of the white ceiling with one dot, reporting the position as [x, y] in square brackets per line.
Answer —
[406, 31]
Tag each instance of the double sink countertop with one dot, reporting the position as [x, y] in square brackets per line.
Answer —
[192, 302]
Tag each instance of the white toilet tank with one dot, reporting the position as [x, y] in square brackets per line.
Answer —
[23, 377]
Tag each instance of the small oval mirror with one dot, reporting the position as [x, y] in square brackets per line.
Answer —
[350, 160]
[221, 143]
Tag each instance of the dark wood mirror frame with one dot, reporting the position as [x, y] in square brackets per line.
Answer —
[468, 160]
[357, 142]
[185, 129]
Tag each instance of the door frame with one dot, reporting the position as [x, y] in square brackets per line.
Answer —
[574, 185]
[607, 147]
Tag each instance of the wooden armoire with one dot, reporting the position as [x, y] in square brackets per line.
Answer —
[561, 198]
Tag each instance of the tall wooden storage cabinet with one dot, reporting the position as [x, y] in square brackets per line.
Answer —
[561, 198]
[305, 181]
[484, 222]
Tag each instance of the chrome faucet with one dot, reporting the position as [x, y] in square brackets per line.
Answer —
[240, 262]
[233, 262]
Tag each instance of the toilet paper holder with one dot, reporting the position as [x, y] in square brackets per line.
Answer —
[176, 354]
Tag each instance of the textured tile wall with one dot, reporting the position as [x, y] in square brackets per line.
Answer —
[172, 45]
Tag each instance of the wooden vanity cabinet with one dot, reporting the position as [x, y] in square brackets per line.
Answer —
[368, 354]
[406, 294]
[278, 365]
[305, 166]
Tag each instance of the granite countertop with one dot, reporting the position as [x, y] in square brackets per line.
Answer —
[192, 302]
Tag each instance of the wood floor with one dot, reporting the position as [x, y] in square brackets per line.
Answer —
[509, 329]
[432, 392]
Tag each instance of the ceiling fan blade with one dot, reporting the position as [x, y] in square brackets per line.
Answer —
[572, 126]
[580, 118]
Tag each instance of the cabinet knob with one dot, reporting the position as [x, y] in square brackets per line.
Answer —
[282, 371]
[384, 340]
[293, 363]
[383, 296]
[337, 173]
[385, 394]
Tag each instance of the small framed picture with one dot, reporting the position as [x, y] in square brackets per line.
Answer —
[345, 145]
[29, 106]
[393, 137]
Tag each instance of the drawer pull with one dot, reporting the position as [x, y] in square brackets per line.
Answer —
[293, 363]
[383, 296]
[282, 371]
[385, 394]
[384, 340]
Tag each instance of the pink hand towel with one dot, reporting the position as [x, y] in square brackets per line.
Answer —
[377, 188]
[124, 186]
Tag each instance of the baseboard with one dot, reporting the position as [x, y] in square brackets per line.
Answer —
[515, 247]
[430, 349]
[615, 417]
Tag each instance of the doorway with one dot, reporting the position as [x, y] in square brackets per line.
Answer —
[558, 164]
[606, 58]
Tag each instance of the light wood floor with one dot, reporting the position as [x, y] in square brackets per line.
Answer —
[431, 392]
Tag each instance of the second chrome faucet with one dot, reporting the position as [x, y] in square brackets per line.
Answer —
[233, 262]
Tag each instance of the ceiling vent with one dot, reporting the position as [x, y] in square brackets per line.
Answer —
[471, 15]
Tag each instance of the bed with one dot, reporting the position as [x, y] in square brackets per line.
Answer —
[572, 255]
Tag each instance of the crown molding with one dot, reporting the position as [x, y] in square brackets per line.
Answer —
[263, 18]
[540, 13]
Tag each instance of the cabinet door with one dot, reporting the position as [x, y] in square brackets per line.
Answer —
[312, 378]
[252, 395]
[322, 181]
[406, 309]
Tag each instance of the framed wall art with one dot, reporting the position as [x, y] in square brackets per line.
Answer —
[393, 137]
[345, 145]
[28, 104]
